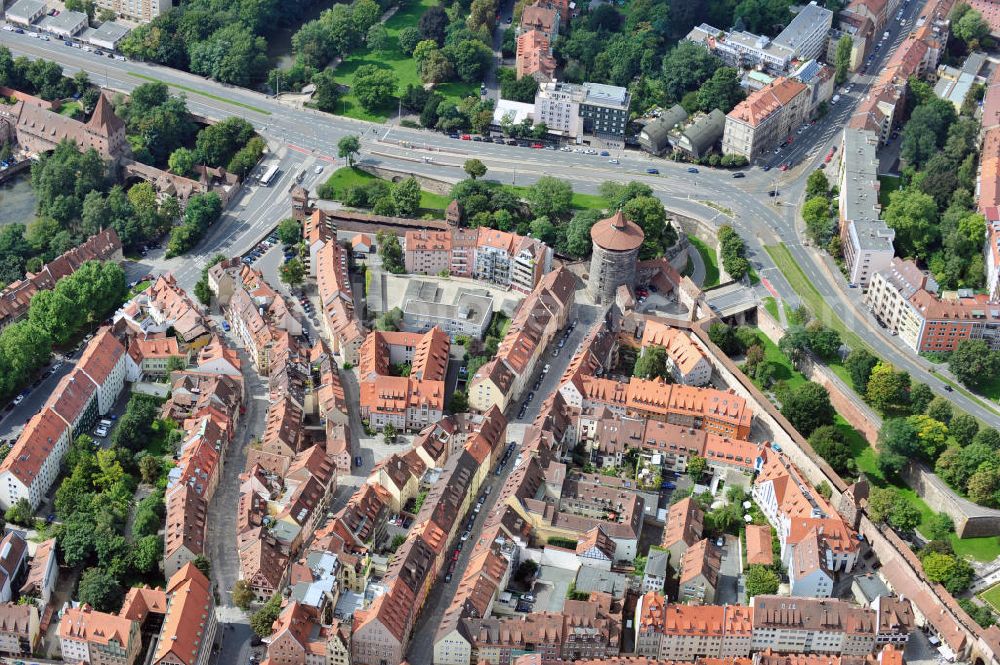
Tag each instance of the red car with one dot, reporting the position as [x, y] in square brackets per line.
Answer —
[454, 557]
[466, 137]
[537, 146]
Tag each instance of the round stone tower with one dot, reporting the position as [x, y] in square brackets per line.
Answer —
[616, 250]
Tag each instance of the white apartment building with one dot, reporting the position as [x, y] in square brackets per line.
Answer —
[806, 35]
[558, 106]
[142, 11]
[104, 363]
[866, 240]
[992, 251]
[591, 108]
[32, 465]
[889, 294]
[743, 49]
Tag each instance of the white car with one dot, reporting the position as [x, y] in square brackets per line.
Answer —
[18, 399]
[318, 169]
[613, 161]
[9, 28]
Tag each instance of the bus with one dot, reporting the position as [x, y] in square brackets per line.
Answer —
[269, 175]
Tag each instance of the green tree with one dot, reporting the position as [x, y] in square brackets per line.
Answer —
[963, 428]
[149, 469]
[182, 161]
[550, 197]
[898, 442]
[100, 590]
[808, 407]
[648, 212]
[954, 573]
[970, 27]
[817, 185]
[652, 363]
[327, 94]
[264, 618]
[881, 502]
[389, 433]
[830, 444]
[216, 144]
[685, 68]
[842, 59]
[389, 321]
[859, 364]
[617, 194]
[243, 595]
[289, 231]
[973, 362]
[459, 402]
[203, 292]
[722, 91]
[406, 197]
[408, 39]
[913, 215]
[146, 553]
[920, 397]
[471, 58]
[377, 38]
[474, 168]
[202, 563]
[391, 252]
[373, 86]
[293, 272]
[20, 513]
[887, 390]
[981, 614]
[696, 467]
[939, 526]
[983, 486]
[233, 54]
[578, 242]
[348, 148]
[761, 581]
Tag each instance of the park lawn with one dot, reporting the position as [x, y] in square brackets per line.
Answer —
[981, 549]
[70, 109]
[578, 202]
[992, 597]
[404, 66]
[432, 203]
[347, 176]
[711, 261]
[820, 309]
[887, 185]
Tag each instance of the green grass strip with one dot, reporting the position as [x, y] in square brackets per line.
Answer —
[771, 305]
[711, 261]
[810, 296]
[199, 92]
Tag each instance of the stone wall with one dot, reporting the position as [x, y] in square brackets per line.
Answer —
[971, 520]
[430, 184]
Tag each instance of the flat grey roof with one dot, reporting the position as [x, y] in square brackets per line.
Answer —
[25, 10]
[606, 95]
[871, 586]
[108, 32]
[805, 23]
[859, 186]
[67, 22]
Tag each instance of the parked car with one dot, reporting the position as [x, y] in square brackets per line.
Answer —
[739, 174]
[653, 171]
[358, 461]
[692, 170]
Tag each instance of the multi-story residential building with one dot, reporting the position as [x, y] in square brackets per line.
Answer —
[906, 300]
[685, 522]
[685, 359]
[33, 463]
[590, 108]
[988, 184]
[739, 48]
[758, 543]
[103, 362]
[698, 574]
[162, 307]
[866, 240]
[13, 563]
[765, 118]
[189, 625]
[534, 56]
[671, 632]
[469, 314]
[539, 317]
[811, 625]
[795, 510]
[19, 629]
[98, 638]
[406, 402]
[43, 573]
[74, 399]
[151, 356]
[889, 294]
[808, 574]
[301, 638]
[654, 578]
[16, 297]
[537, 17]
[819, 79]
[806, 35]
[142, 11]
[895, 620]
[342, 327]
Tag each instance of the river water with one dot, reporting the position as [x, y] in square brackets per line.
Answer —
[17, 200]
